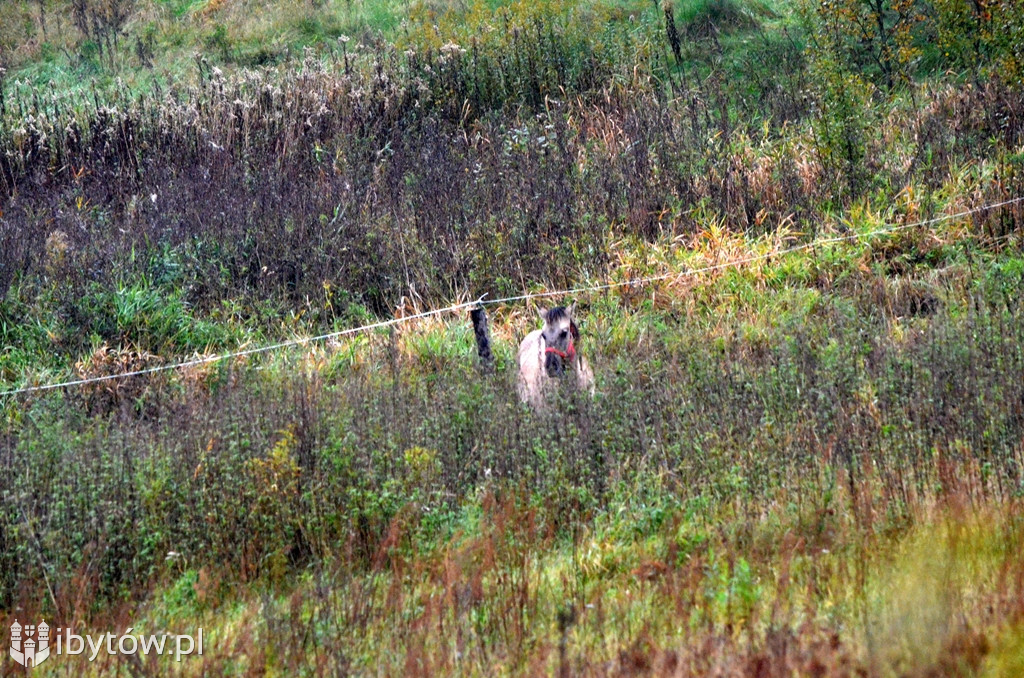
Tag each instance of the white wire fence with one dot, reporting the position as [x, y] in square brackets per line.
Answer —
[891, 228]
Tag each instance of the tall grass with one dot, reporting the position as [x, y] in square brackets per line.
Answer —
[771, 453]
[424, 174]
[258, 472]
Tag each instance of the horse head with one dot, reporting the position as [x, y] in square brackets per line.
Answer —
[559, 337]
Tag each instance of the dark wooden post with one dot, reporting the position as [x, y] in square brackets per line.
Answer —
[483, 339]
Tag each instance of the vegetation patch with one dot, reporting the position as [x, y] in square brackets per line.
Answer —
[793, 232]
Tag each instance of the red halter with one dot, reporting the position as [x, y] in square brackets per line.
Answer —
[568, 355]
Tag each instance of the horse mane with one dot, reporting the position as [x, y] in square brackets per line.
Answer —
[555, 314]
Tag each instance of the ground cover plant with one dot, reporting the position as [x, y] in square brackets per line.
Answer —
[805, 451]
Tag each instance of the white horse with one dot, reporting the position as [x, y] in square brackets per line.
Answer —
[545, 355]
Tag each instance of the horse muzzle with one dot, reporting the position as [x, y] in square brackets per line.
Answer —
[554, 365]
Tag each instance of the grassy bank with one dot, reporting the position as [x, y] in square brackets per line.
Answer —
[814, 415]
[797, 462]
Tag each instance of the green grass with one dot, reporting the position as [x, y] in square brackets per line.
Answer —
[701, 18]
[229, 35]
[805, 464]
[721, 545]
[893, 596]
[181, 8]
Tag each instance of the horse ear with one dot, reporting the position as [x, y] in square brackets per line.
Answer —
[543, 313]
[571, 310]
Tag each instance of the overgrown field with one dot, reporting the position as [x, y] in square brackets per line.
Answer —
[798, 461]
